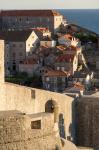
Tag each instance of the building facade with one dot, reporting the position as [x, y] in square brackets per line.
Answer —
[24, 19]
[55, 80]
[18, 45]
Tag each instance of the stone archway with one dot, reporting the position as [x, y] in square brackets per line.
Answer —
[51, 106]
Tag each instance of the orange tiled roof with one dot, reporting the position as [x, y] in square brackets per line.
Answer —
[68, 36]
[35, 13]
[41, 29]
[65, 58]
[56, 73]
[64, 48]
[79, 86]
[61, 47]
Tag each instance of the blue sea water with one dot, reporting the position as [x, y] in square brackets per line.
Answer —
[88, 18]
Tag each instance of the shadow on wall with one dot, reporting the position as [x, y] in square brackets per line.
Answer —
[51, 106]
[61, 126]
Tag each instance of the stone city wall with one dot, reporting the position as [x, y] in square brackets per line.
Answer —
[16, 132]
[31, 100]
[88, 122]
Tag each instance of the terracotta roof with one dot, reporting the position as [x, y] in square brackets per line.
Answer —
[56, 73]
[61, 47]
[64, 48]
[43, 30]
[65, 58]
[40, 32]
[67, 36]
[37, 13]
[79, 86]
[15, 35]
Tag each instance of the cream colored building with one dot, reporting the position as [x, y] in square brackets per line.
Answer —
[42, 32]
[47, 42]
[18, 45]
[26, 19]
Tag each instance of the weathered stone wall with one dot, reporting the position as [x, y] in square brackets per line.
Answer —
[30, 100]
[88, 122]
[2, 85]
[16, 132]
[84, 148]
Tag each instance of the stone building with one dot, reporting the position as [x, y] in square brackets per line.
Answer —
[31, 102]
[47, 42]
[55, 80]
[18, 45]
[30, 66]
[67, 62]
[34, 119]
[88, 122]
[42, 32]
[69, 40]
[24, 19]
[21, 131]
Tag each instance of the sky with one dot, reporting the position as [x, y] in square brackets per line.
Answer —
[49, 4]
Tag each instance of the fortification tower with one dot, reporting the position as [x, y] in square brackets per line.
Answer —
[2, 85]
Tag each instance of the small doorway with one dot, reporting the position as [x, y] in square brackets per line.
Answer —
[51, 106]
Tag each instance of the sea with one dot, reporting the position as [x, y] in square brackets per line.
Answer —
[88, 18]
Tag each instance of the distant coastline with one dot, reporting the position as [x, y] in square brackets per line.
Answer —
[87, 18]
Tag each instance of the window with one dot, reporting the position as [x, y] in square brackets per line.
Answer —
[21, 45]
[46, 43]
[14, 54]
[48, 20]
[40, 19]
[63, 79]
[58, 68]
[13, 24]
[14, 45]
[33, 94]
[20, 54]
[36, 124]
[69, 138]
[47, 78]
[48, 86]
[21, 62]
[62, 68]
[20, 19]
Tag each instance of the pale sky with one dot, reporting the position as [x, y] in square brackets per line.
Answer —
[49, 4]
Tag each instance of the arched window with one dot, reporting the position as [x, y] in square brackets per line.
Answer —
[51, 106]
